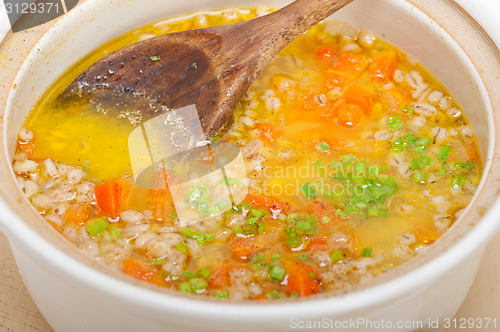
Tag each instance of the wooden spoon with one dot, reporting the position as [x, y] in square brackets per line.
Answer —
[211, 68]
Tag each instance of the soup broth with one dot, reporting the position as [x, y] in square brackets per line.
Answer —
[357, 159]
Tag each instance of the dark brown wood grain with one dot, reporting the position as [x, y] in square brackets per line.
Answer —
[211, 68]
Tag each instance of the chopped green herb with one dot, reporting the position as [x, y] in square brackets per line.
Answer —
[458, 181]
[465, 167]
[365, 192]
[238, 229]
[258, 257]
[97, 227]
[408, 109]
[185, 288]
[367, 252]
[275, 257]
[420, 177]
[342, 214]
[274, 294]
[277, 273]
[154, 58]
[157, 261]
[323, 147]
[394, 122]
[312, 275]
[411, 139]
[194, 195]
[222, 295]
[325, 220]
[230, 181]
[114, 232]
[445, 150]
[338, 255]
[256, 213]
[292, 239]
[398, 145]
[424, 160]
[86, 167]
[349, 159]
[198, 284]
[201, 238]
[214, 139]
[205, 272]
[303, 257]
[422, 144]
[257, 266]
[304, 225]
[308, 190]
[173, 215]
[221, 205]
[415, 165]
[374, 211]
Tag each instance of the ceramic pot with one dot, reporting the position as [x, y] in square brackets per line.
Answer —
[75, 294]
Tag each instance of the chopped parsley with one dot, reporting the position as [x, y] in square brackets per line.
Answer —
[394, 122]
[308, 190]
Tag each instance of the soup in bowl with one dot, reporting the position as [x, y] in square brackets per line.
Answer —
[380, 162]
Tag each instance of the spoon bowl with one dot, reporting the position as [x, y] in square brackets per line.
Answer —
[210, 68]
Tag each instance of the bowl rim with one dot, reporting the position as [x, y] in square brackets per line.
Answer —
[136, 292]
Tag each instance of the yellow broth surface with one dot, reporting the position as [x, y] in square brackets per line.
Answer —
[357, 160]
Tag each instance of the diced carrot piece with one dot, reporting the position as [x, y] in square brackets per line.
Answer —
[243, 249]
[349, 115]
[136, 269]
[321, 209]
[345, 67]
[27, 147]
[471, 151]
[268, 131]
[77, 214]
[318, 243]
[262, 201]
[325, 54]
[260, 297]
[111, 197]
[221, 276]
[383, 66]
[355, 94]
[425, 234]
[284, 85]
[311, 110]
[161, 203]
[302, 279]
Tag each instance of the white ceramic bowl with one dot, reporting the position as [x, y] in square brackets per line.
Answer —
[74, 294]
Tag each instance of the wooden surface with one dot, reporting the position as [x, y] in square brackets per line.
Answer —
[18, 313]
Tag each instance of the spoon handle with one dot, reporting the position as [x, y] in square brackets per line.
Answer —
[300, 15]
[265, 36]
